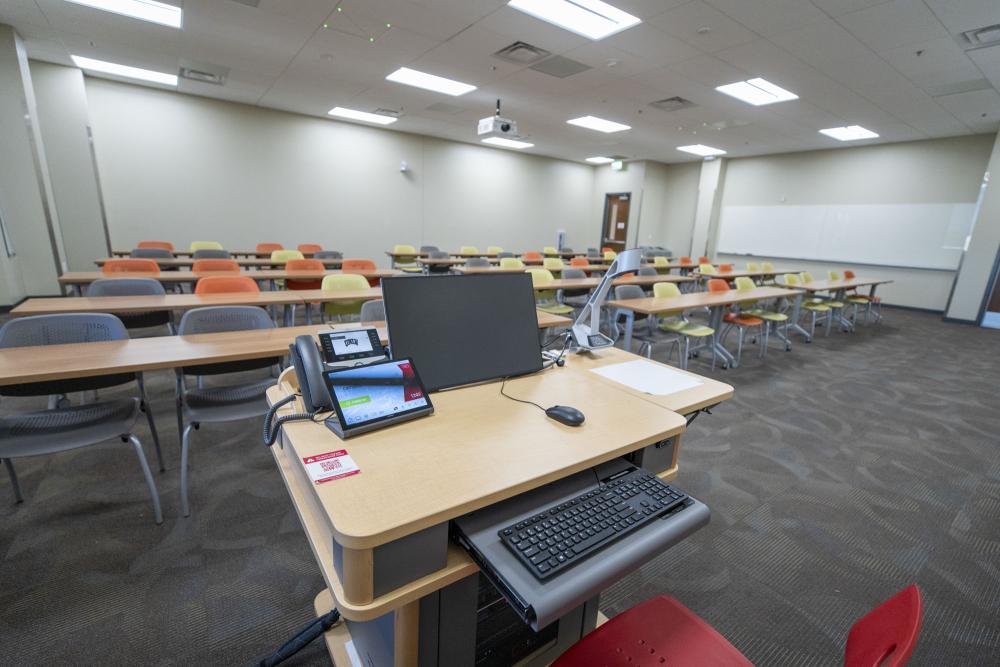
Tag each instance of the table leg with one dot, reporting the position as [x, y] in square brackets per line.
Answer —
[794, 318]
[716, 322]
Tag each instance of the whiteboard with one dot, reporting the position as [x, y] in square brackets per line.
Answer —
[929, 236]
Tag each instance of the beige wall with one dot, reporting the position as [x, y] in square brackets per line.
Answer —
[607, 181]
[670, 195]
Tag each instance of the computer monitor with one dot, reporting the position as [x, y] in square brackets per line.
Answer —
[463, 329]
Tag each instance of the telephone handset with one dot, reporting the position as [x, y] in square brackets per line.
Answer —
[305, 357]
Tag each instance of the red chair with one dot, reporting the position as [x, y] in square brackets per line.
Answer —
[268, 248]
[725, 268]
[360, 266]
[162, 245]
[686, 261]
[579, 261]
[532, 256]
[225, 284]
[704, 260]
[662, 631]
[606, 249]
[131, 265]
[309, 248]
[304, 265]
[227, 265]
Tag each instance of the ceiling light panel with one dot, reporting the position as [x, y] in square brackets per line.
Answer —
[599, 160]
[702, 150]
[757, 92]
[849, 133]
[590, 18]
[364, 116]
[104, 67]
[144, 10]
[599, 124]
[507, 143]
[438, 84]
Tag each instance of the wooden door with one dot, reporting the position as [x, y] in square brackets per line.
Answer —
[614, 229]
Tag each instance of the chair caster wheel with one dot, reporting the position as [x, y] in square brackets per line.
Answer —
[788, 349]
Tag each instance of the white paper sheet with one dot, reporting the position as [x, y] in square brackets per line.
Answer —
[648, 377]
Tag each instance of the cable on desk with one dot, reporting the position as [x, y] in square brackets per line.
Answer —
[302, 638]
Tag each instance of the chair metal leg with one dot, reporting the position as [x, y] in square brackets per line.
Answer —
[687, 350]
[185, 441]
[739, 346]
[145, 406]
[157, 512]
[18, 498]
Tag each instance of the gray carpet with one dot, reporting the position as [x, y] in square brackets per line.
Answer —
[839, 473]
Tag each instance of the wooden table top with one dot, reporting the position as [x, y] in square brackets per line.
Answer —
[131, 304]
[653, 305]
[336, 296]
[836, 285]
[87, 277]
[591, 283]
[184, 252]
[729, 275]
[181, 262]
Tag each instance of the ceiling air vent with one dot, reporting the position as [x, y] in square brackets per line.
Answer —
[985, 36]
[522, 53]
[672, 104]
[560, 66]
[212, 74]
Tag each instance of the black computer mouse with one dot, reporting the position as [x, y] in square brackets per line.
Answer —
[565, 415]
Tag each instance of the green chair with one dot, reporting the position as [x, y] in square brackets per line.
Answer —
[772, 318]
[610, 255]
[852, 296]
[511, 263]
[814, 306]
[550, 250]
[493, 250]
[546, 299]
[406, 262]
[680, 326]
[468, 250]
[282, 256]
[707, 270]
[206, 245]
[753, 266]
[553, 264]
[343, 282]
[834, 304]
[661, 264]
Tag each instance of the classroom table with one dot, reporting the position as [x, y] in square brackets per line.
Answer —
[839, 289]
[591, 283]
[732, 275]
[715, 301]
[528, 265]
[234, 253]
[448, 474]
[76, 279]
[247, 262]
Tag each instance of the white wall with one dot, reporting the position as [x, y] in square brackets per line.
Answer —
[670, 196]
[934, 171]
[183, 168]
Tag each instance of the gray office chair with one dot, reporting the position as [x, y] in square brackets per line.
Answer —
[210, 253]
[72, 426]
[477, 262]
[373, 311]
[647, 271]
[438, 268]
[565, 249]
[506, 253]
[429, 248]
[219, 403]
[328, 254]
[134, 287]
[152, 253]
[574, 297]
[623, 292]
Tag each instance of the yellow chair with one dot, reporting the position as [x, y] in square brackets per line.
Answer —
[553, 264]
[493, 250]
[550, 250]
[707, 270]
[511, 263]
[680, 326]
[753, 266]
[206, 245]
[546, 299]
[343, 282]
[659, 261]
[771, 317]
[406, 262]
[852, 297]
[610, 254]
[282, 256]
[814, 306]
[768, 268]
[468, 250]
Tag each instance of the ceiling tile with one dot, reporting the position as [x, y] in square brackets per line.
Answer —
[894, 24]
[520, 26]
[710, 71]
[840, 7]
[932, 64]
[965, 15]
[978, 107]
[652, 44]
[768, 16]
[718, 30]
[988, 62]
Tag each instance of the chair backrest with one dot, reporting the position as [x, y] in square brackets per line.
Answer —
[725, 268]
[310, 247]
[550, 250]
[225, 284]
[753, 266]
[848, 274]
[210, 253]
[373, 311]
[510, 263]
[541, 276]
[551, 263]
[469, 250]
[57, 330]
[686, 261]
[610, 254]
[403, 249]
[152, 253]
[666, 290]
[833, 275]
[344, 281]
[493, 249]
[567, 249]
[441, 254]
[605, 249]
[228, 265]
[531, 255]
[573, 274]
[660, 260]
[130, 265]
[429, 248]
[648, 271]
[886, 635]
[205, 245]
[806, 277]
[161, 245]
[579, 261]
[629, 292]
[214, 319]
[704, 260]
[482, 262]
[269, 247]
[718, 285]
[706, 270]
[505, 253]
[285, 255]
[766, 266]
[125, 287]
[744, 284]
[328, 254]
[357, 265]
[791, 279]
[304, 265]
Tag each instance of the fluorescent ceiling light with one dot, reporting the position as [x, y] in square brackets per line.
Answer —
[144, 10]
[702, 150]
[600, 160]
[438, 84]
[849, 133]
[599, 124]
[353, 114]
[507, 143]
[757, 92]
[124, 70]
[590, 18]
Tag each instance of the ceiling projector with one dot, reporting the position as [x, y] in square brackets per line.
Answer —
[495, 126]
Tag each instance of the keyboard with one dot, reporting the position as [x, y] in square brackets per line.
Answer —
[566, 534]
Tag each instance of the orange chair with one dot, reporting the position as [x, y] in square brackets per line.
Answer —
[162, 245]
[227, 265]
[360, 266]
[687, 261]
[224, 284]
[532, 256]
[269, 247]
[131, 265]
[725, 268]
[863, 300]
[606, 249]
[704, 260]
[309, 248]
[740, 322]
[579, 261]
[304, 265]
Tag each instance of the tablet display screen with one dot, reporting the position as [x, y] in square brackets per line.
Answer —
[377, 392]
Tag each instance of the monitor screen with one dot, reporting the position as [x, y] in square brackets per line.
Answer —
[366, 394]
[464, 329]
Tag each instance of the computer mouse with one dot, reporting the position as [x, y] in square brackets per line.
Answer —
[564, 414]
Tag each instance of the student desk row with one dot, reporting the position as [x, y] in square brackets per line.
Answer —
[247, 262]
[75, 279]
[184, 252]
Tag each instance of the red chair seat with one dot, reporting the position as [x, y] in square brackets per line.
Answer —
[743, 320]
[660, 631]
[887, 635]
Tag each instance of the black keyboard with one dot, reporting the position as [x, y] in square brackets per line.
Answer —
[561, 536]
